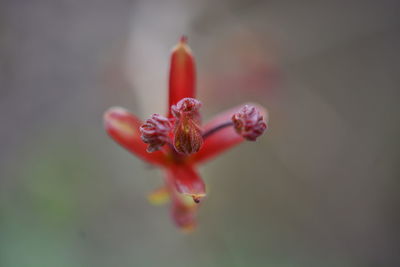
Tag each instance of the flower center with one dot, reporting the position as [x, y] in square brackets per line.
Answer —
[187, 137]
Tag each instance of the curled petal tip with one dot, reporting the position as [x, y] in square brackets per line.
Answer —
[186, 106]
[155, 132]
[249, 123]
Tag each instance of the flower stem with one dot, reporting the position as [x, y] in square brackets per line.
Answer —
[217, 128]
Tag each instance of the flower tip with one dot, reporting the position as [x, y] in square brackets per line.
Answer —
[249, 122]
[119, 120]
[184, 39]
[197, 198]
[186, 106]
[182, 48]
[112, 113]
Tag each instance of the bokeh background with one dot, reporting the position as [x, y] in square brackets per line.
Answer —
[319, 189]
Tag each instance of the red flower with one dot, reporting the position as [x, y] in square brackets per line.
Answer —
[179, 142]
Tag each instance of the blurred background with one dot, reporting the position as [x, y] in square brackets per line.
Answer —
[319, 189]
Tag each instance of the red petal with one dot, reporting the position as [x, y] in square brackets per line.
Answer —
[183, 215]
[223, 139]
[123, 127]
[183, 212]
[187, 181]
[182, 75]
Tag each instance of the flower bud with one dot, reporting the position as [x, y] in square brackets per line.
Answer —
[155, 132]
[249, 123]
[182, 76]
[187, 132]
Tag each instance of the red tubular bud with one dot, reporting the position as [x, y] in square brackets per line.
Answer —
[187, 132]
[249, 123]
[155, 132]
[182, 76]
